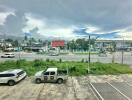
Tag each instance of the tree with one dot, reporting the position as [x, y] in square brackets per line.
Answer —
[114, 46]
[113, 51]
[71, 45]
[33, 40]
[9, 40]
[25, 38]
[15, 43]
[40, 41]
[80, 44]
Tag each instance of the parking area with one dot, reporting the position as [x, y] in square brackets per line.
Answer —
[105, 87]
[116, 89]
[112, 91]
[28, 90]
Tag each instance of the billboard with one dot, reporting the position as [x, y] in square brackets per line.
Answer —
[57, 43]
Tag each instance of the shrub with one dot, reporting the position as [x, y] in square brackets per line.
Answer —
[82, 60]
[60, 60]
[47, 60]
[38, 62]
[75, 68]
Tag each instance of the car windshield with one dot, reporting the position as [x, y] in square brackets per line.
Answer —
[20, 73]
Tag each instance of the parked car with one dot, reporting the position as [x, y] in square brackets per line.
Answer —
[8, 55]
[53, 51]
[102, 54]
[51, 75]
[11, 77]
[53, 54]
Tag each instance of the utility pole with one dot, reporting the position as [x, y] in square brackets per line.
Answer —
[19, 50]
[122, 53]
[89, 54]
[4, 41]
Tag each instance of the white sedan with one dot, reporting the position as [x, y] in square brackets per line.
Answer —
[8, 55]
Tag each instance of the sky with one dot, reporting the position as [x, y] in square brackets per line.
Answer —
[69, 19]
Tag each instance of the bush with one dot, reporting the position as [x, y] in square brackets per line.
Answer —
[38, 62]
[82, 60]
[60, 60]
[47, 60]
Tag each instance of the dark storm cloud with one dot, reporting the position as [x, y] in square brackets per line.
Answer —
[107, 15]
[13, 25]
[83, 32]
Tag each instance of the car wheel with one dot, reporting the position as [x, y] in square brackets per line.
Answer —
[38, 80]
[60, 81]
[11, 83]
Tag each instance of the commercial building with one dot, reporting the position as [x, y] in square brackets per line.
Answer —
[117, 44]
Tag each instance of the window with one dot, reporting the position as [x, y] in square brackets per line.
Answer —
[2, 75]
[52, 73]
[7, 54]
[46, 73]
[6, 75]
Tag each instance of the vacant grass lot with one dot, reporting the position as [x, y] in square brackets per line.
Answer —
[74, 68]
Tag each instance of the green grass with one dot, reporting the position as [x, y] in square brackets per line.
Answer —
[75, 68]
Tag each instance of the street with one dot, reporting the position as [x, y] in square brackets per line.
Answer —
[127, 58]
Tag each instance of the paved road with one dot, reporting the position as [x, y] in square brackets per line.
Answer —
[94, 58]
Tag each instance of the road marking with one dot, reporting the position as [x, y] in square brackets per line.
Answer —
[91, 88]
[100, 97]
[94, 93]
[119, 91]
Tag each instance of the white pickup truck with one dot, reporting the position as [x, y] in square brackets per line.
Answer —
[51, 75]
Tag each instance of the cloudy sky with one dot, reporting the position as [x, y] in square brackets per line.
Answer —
[66, 18]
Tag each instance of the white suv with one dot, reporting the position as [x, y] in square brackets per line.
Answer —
[12, 76]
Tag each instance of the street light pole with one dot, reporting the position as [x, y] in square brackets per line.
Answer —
[4, 41]
[19, 55]
[122, 54]
[89, 55]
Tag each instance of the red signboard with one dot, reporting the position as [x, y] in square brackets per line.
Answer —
[57, 43]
